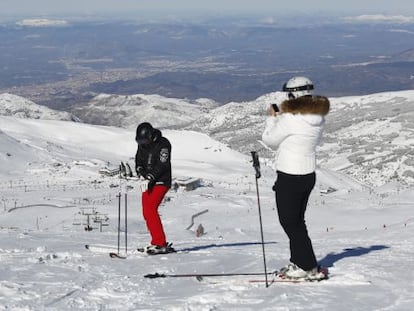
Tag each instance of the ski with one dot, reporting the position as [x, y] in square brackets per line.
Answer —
[323, 270]
[168, 249]
[144, 251]
[113, 251]
[277, 278]
[105, 249]
[200, 276]
[250, 281]
[116, 255]
[98, 248]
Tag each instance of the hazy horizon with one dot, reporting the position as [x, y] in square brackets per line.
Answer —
[183, 7]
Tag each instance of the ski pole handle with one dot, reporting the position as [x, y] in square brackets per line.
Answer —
[256, 163]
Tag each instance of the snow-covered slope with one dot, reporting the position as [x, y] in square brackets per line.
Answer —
[66, 142]
[20, 107]
[363, 235]
[15, 156]
[371, 137]
[130, 110]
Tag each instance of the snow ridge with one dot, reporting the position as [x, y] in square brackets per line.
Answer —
[20, 107]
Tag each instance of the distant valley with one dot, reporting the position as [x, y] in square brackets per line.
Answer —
[225, 60]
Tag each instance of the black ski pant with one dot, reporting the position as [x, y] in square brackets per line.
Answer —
[292, 194]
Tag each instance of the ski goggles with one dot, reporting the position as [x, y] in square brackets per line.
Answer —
[307, 87]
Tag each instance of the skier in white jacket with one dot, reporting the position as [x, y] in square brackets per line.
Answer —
[295, 132]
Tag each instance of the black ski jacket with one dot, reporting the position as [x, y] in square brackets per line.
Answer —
[155, 159]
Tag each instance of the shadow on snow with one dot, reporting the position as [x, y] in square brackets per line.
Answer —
[331, 258]
[214, 245]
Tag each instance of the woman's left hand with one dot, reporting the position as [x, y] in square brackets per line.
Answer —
[272, 112]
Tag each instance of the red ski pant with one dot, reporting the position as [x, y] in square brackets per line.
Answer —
[150, 203]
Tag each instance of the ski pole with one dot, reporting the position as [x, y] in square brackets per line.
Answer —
[119, 220]
[119, 209]
[256, 165]
[126, 222]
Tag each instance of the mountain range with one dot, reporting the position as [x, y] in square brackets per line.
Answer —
[367, 137]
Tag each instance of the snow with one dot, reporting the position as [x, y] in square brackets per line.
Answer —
[49, 182]
[42, 22]
[129, 110]
[17, 106]
[381, 18]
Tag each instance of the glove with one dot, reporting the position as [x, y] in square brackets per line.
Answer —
[151, 182]
[140, 171]
[144, 185]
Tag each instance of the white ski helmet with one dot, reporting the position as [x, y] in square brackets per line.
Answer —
[298, 86]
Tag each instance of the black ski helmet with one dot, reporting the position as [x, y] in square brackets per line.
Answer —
[144, 134]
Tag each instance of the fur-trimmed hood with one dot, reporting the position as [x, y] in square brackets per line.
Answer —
[317, 105]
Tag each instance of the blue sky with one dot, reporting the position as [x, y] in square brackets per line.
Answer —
[34, 7]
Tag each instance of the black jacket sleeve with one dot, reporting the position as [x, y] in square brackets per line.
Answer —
[161, 167]
[140, 162]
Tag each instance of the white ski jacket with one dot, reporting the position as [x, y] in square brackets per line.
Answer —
[296, 132]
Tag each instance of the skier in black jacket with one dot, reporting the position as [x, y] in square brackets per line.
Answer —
[153, 166]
